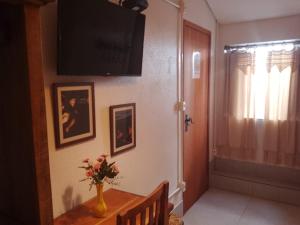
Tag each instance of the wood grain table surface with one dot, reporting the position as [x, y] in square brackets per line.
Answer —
[116, 200]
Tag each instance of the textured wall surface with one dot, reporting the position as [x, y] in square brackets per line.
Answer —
[155, 156]
[155, 93]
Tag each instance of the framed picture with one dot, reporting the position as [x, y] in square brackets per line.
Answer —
[122, 128]
[74, 113]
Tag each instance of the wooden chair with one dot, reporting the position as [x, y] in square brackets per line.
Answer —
[151, 211]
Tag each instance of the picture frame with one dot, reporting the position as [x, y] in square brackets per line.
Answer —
[122, 128]
[74, 113]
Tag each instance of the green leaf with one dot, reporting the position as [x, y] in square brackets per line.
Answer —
[111, 164]
[84, 179]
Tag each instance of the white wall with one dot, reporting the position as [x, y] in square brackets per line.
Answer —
[260, 30]
[155, 94]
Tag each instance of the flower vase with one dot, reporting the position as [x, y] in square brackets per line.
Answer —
[101, 208]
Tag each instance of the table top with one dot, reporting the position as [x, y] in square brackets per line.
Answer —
[116, 201]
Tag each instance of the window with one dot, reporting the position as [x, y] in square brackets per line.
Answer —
[263, 75]
[257, 115]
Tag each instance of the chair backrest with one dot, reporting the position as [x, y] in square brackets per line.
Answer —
[151, 211]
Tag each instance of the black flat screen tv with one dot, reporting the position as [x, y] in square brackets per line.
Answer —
[96, 37]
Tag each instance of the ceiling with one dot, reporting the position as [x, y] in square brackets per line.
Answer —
[234, 11]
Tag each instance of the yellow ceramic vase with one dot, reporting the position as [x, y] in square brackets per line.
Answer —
[101, 208]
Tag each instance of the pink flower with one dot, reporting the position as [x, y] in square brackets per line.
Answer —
[104, 156]
[100, 159]
[86, 160]
[89, 173]
[115, 169]
[97, 166]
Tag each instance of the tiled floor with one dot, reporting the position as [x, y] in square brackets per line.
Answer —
[217, 207]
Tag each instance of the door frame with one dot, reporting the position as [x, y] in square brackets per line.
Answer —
[187, 23]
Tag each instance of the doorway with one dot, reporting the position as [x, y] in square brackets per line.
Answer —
[196, 65]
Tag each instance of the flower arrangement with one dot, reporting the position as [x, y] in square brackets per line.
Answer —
[100, 171]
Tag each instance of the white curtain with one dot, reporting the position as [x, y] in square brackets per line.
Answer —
[260, 92]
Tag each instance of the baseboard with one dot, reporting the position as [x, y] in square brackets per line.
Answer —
[256, 189]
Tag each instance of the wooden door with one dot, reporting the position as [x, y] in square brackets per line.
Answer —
[196, 60]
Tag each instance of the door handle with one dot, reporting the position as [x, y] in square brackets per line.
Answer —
[187, 121]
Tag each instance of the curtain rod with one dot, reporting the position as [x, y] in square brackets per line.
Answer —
[251, 45]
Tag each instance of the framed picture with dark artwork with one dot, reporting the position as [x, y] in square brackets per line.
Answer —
[74, 112]
[122, 128]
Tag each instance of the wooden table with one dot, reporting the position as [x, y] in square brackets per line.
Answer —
[116, 201]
